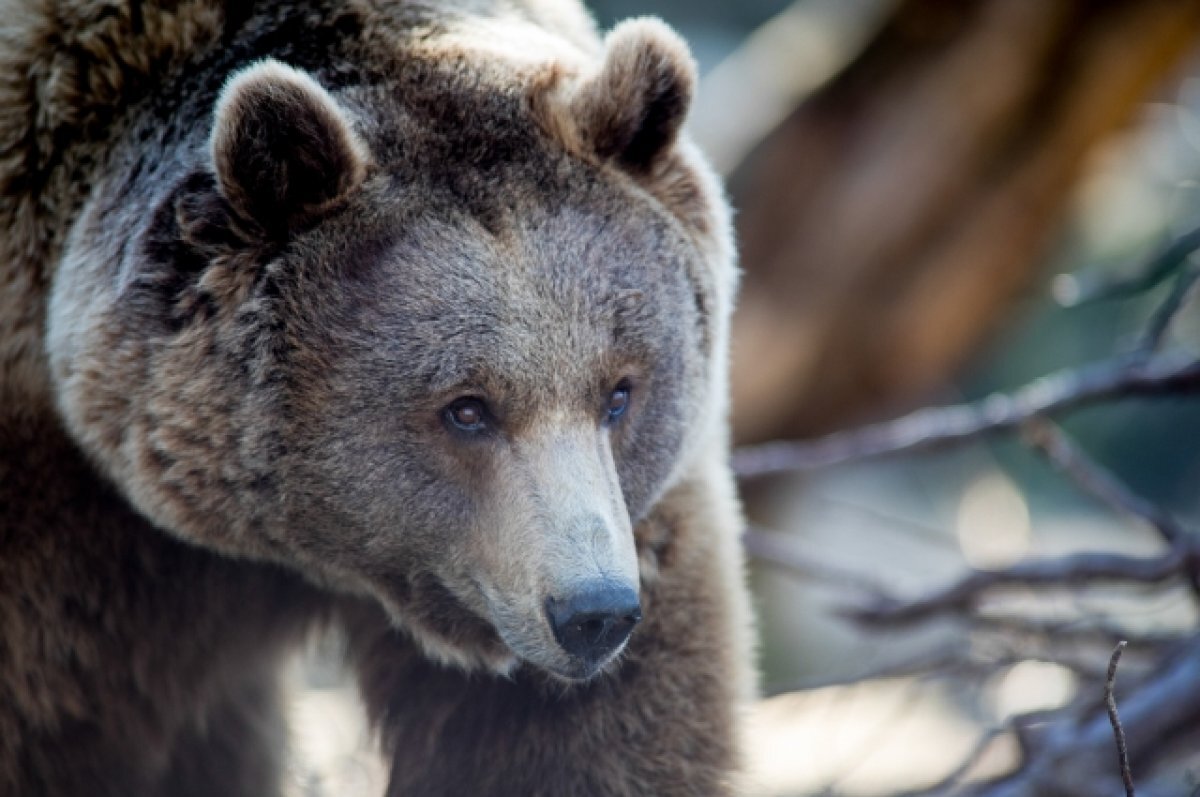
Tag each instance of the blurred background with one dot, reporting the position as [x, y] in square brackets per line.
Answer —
[924, 189]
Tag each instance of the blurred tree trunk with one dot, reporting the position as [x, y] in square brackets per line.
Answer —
[894, 215]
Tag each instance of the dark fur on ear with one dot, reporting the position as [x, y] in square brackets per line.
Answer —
[283, 150]
[632, 109]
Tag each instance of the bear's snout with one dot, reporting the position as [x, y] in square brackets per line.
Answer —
[594, 623]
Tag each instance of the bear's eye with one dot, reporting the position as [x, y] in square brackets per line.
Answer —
[618, 400]
[467, 414]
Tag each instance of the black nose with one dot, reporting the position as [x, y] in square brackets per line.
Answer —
[594, 622]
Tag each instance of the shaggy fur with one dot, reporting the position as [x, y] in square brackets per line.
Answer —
[251, 254]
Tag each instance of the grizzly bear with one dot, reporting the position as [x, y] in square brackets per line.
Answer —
[408, 318]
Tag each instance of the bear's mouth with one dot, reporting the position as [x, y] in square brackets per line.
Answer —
[571, 640]
[570, 669]
[444, 627]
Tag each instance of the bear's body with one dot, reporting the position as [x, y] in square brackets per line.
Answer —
[422, 332]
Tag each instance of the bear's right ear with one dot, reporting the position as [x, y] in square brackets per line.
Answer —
[283, 150]
[630, 110]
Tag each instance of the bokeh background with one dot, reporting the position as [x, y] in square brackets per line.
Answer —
[922, 187]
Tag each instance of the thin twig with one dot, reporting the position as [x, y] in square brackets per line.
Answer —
[1071, 290]
[1160, 323]
[1110, 703]
[927, 533]
[1046, 437]
[973, 757]
[886, 726]
[780, 550]
[1123, 376]
[942, 660]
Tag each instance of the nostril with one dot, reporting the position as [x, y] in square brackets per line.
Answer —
[594, 622]
[592, 630]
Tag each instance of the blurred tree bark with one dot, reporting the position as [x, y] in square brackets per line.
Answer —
[893, 216]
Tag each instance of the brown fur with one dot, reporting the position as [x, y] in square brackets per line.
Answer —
[235, 296]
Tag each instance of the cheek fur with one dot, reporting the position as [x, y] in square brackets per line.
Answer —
[646, 450]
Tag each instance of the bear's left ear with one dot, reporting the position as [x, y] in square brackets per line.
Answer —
[632, 109]
[283, 149]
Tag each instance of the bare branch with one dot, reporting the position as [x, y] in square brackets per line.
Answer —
[1066, 571]
[1077, 569]
[1075, 632]
[1064, 751]
[1074, 747]
[1124, 376]
[952, 661]
[1140, 373]
[1110, 704]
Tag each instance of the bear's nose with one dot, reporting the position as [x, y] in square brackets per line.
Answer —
[594, 622]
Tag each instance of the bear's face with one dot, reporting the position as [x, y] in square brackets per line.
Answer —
[448, 382]
[477, 420]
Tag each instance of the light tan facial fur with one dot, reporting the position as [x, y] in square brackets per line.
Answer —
[559, 524]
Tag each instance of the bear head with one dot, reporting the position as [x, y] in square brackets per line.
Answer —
[440, 336]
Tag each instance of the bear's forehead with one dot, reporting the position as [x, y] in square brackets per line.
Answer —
[481, 242]
[577, 278]
[554, 298]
